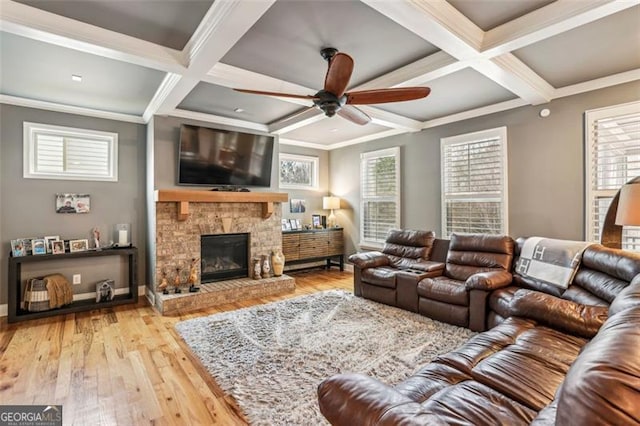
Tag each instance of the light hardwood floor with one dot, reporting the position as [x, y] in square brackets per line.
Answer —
[124, 366]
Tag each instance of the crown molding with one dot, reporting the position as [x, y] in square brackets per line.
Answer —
[599, 83]
[367, 138]
[69, 109]
[303, 144]
[168, 84]
[27, 21]
[217, 119]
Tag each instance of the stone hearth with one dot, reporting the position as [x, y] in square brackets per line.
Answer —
[221, 292]
[178, 231]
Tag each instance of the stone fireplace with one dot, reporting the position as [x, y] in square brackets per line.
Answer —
[184, 218]
[224, 256]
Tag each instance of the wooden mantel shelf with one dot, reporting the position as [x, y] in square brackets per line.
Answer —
[184, 196]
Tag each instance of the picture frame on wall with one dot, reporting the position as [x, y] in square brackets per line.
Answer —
[298, 171]
[78, 245]
[297, 205]
[73, 203]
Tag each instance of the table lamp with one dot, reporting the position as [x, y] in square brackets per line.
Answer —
[331, 203]
[623, 211]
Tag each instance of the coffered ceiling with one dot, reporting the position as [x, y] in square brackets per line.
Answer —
[140, 58]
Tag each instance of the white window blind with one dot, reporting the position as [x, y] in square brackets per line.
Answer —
[379, 195]
[474, 183]
[612, 146]
[55, 152]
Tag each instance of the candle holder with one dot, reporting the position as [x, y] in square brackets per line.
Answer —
[122, 235]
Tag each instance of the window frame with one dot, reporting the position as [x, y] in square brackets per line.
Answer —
[314, 161]
[365, 156]
[467, 138]
[590, 194]
[30, 130]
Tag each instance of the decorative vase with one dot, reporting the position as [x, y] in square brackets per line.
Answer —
[266, 267]
[277, 261]
[256, 268]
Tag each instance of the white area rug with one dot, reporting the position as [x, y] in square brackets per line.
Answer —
[272, 357]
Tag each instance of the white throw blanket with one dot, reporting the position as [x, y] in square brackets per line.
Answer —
[549, 260]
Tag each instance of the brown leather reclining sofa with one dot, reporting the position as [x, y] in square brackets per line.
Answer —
[567, 357]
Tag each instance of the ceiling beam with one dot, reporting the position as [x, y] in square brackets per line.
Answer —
[218, 119]
[441, 24]
[33, 23]
[553, 19]
[234, 77]
[295, 121]
[223, 25]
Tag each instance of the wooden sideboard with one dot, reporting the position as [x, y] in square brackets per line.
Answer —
[313, 245]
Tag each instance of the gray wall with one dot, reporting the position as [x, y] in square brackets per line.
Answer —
[546, 167]
[28, 205]
[165, 148]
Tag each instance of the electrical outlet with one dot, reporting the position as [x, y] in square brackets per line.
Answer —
[77, 279]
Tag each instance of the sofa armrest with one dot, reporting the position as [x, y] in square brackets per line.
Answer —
[428, 266]
[370, 259]
[350, 399]
[566, 315]
[490, 280]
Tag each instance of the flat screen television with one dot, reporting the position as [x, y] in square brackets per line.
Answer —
[216, 157]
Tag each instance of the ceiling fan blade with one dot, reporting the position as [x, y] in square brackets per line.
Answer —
[282, 95]
[354, 115]
[381, 96]
[338, 74]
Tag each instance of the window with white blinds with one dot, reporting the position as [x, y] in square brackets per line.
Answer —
[379, 195]
[474, 183]
[612, 146]
[56, 152]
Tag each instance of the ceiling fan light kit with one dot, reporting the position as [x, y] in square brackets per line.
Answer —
[333, 99]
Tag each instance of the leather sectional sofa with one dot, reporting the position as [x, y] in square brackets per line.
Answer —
[552, 356]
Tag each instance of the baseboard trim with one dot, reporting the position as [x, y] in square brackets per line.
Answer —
[4, 309]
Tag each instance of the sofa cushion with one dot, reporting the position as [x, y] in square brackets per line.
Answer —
[429, 379]
[384, 276]
[471, 402]
[408, 243]
[473, 253]
[577, 294]
[445, 290]
[561, 314]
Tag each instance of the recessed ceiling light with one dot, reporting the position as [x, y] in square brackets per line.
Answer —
[76, 77]
[239, 110]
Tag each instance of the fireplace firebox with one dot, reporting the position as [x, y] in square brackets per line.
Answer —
[223, 257]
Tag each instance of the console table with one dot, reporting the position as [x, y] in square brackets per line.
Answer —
[314, 245]
[16, 313]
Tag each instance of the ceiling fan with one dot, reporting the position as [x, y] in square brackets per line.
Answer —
[333, 99]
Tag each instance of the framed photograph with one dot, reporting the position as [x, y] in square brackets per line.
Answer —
[39, 246]
[298, 205]
[73, 203]
[315, 221]
[27, 245]
[294, 226]
[78, 245]
[298, 225]
[57, 247]
[298, 171]
[286, 225]
[17, 248]
[48, 240]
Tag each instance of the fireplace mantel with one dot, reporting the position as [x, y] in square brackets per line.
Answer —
[185, 196]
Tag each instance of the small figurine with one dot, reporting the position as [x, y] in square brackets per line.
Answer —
[193, 276]
[176, 280]
[96, 237]
[164, 283]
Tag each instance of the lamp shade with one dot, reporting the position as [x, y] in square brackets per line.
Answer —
[330, 203]
[629, 205]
